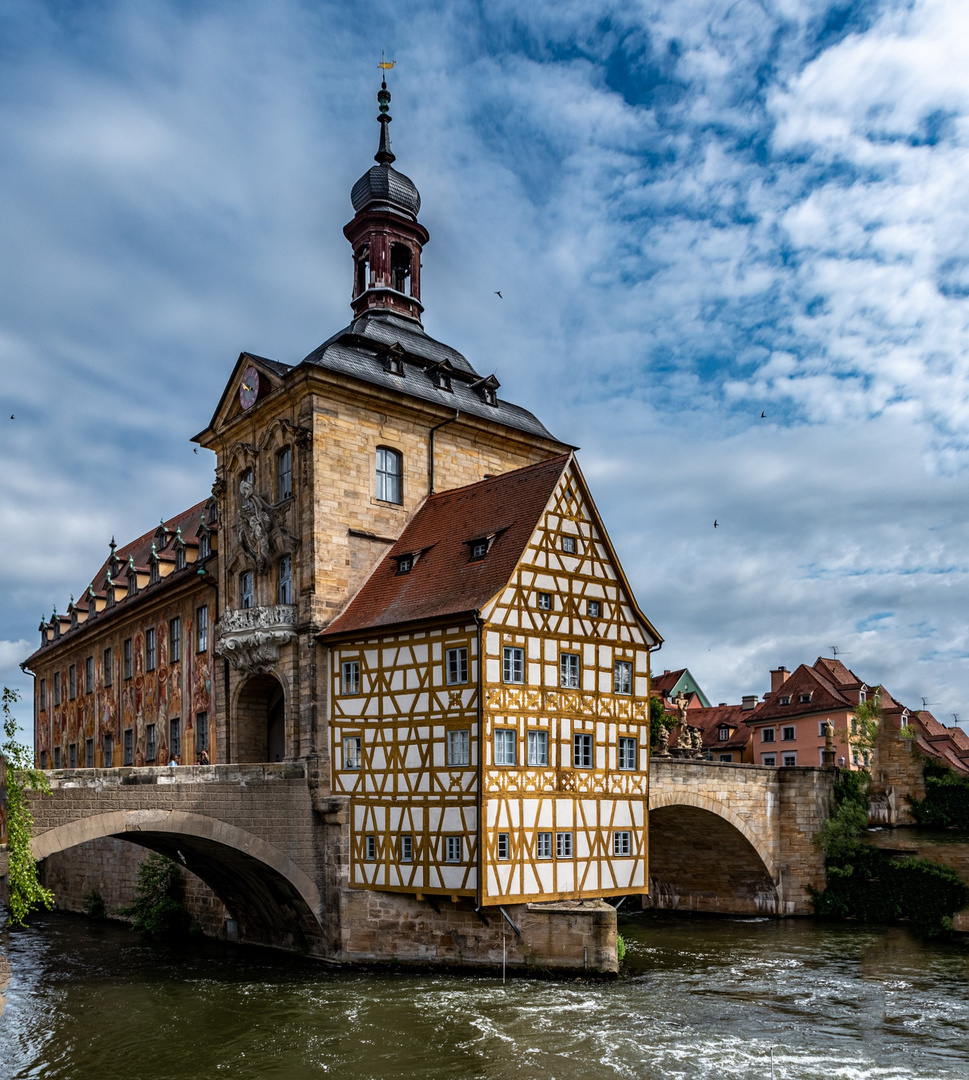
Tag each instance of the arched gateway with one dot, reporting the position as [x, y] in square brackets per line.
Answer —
[258, 731]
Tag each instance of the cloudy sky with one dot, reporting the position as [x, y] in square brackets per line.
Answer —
[697, 212]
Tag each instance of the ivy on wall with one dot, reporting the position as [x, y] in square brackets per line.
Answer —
[946, 802]
[26, 891]
[875, 885]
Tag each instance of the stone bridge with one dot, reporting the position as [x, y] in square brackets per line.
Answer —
[731, 838]
[723, 838]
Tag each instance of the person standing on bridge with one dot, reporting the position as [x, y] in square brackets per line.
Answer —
[173, 763]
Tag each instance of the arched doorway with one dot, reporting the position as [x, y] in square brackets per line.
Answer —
[698, 861]
[258, 729]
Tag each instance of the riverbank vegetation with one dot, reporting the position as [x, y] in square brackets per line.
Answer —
[872, 884]
[26, 891]
[946, 802]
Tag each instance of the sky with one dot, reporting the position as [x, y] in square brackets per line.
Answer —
[732, 243]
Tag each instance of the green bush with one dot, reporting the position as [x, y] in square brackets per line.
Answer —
[159, 906]
[94, 904]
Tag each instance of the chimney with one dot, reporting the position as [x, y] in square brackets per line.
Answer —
[666, 672]
[750, 701]
[778, 678]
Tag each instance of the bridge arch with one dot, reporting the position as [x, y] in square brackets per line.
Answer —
[274, 901]
[704, 856]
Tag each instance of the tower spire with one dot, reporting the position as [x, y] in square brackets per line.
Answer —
[384, 155]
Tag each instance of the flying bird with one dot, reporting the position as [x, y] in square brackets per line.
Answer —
[716, 524]
[11, 416]
[498, 294]
[763, 416]
[195, 449]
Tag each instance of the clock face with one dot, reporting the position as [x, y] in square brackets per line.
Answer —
[249, 387]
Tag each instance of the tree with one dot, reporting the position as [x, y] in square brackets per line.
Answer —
[657, 716]
[26, 891]
[867, 715]
[158, 909]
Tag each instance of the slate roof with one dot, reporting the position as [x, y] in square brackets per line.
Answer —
[359, 351]
[443, 581]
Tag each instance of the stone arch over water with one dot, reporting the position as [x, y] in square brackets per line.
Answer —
[274, 902]
[708, 859]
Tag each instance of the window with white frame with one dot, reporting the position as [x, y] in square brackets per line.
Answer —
[245, 589]
[479, 548]
[582, 750]
[205, 546]
[804, 698]
[544, 601]
[723, 734]
[504, 847]
[151, 655]
[568, 545]
[537, 753]
[284, 570]
[456, 665]
[563, 845]
[390, 473]
[788, 734]
[789, 760]
[284, 473]
[543, 845]
[627, 752]
[622, 842]
[505, 740]
[622, 677]
[821, 732]
[768, 759]
[459, 747]
[406, 848]
[352, 751]
[201, 629]
[855, 758]
[512, 664]
[767, 734]
[370, 847]
[452, 849]
[594, 609]
[350, 677]
[569, 670]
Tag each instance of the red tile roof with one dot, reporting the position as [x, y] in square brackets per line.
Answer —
[732, 716]
[663, 684]
[444, 581]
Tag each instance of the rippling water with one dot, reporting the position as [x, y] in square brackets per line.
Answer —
[702, 998]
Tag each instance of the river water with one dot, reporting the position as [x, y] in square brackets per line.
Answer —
[701, 998]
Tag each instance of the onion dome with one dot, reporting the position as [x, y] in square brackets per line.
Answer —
[383, 187]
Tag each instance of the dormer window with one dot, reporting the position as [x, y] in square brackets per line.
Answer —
[479, 548]
[804, 698]
[205, 546]
[394, 360]
[405, 563]
[132, 584]
[723, 734]
[784, 699]
[440, 375]
[488, 389]
[180, 558]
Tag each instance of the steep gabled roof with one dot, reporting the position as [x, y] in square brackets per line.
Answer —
[735, 717]
[444, 580]
[825, 696]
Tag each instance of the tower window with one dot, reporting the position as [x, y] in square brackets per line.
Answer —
[245, 588]
[285, 592]
[390, 475]
[362, 262]
[400, 261]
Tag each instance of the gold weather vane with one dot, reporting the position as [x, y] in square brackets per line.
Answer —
[385, 65]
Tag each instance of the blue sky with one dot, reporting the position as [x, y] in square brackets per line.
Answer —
[696, 213]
